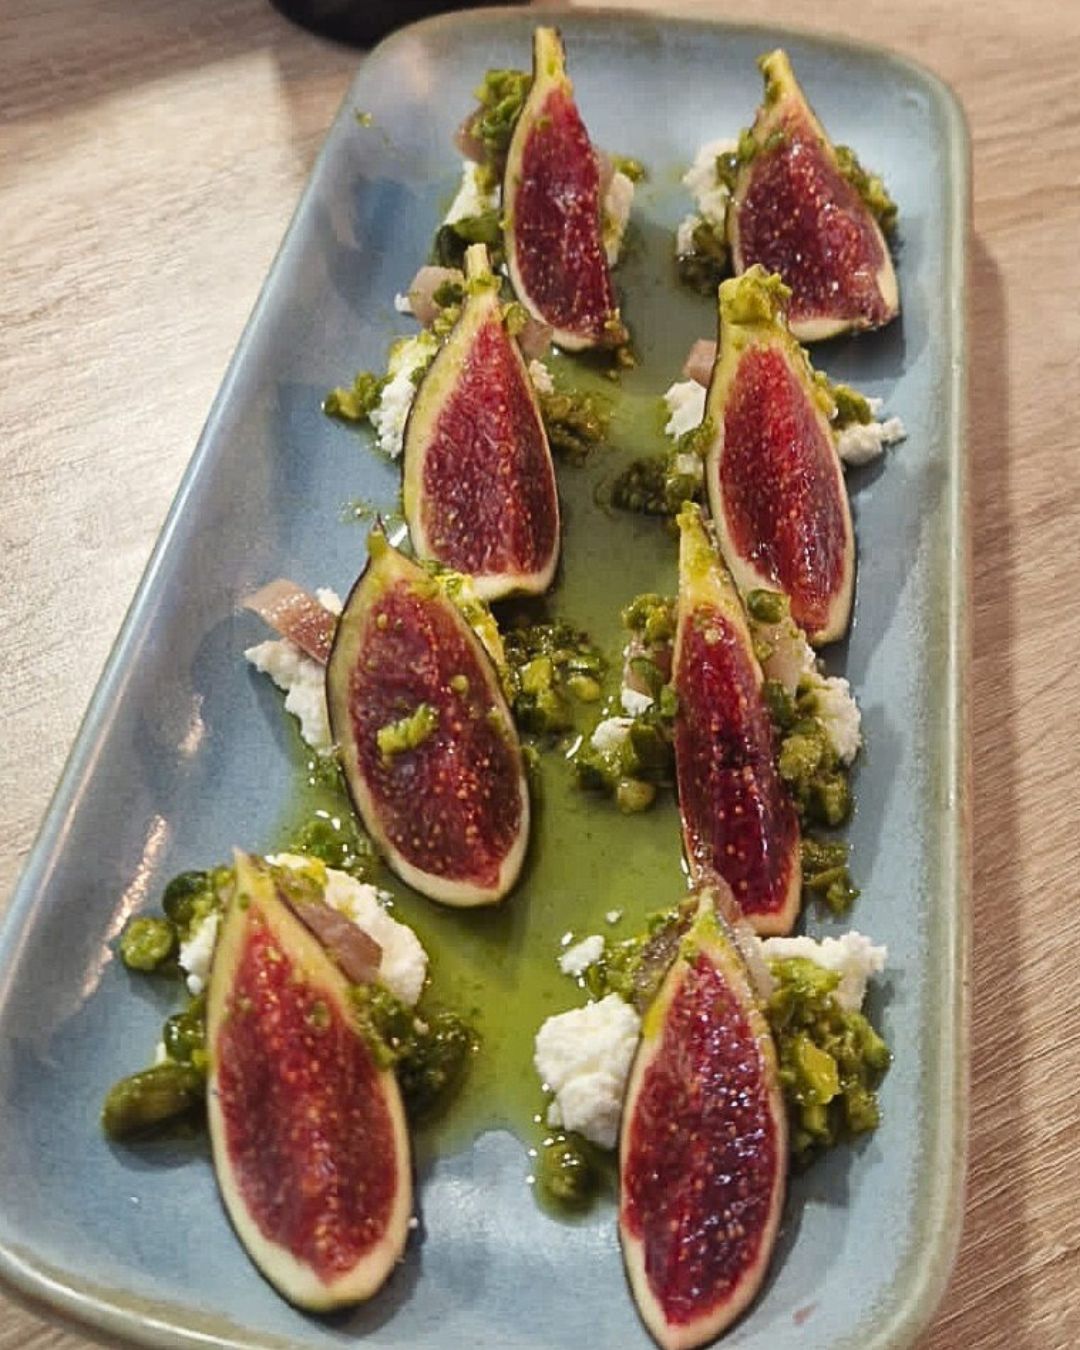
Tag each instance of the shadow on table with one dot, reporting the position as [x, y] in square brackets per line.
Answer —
[997, 1235]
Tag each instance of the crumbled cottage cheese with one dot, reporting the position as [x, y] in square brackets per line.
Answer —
[302, 679]
[408, 358]
[634, 701]
[583, 1057]
[610, 733]
[472, 198]
[862, 442]
[853, 956]
[541, 378]
[685, 402]
[616, 214]
[684, 234]
[708, 192]
[197, 952]
[577, 959]
[402, 967]
[710, 195]
[838, 712]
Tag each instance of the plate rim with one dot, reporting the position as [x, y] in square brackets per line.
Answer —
[922, 1279]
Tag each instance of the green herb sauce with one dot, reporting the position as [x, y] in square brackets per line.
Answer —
[498, 967]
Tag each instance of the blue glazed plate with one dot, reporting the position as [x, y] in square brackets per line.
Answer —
[181, 755]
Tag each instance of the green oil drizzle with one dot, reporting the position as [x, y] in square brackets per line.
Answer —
[499, 966]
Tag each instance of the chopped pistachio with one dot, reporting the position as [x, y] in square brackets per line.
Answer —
[407, 732]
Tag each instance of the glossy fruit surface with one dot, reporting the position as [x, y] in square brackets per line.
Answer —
[738, 819]
[553, 211]
[775, 482]
[703, 1147]
[310, 1145]
[429, 750]
[795, 213]
[479, 490]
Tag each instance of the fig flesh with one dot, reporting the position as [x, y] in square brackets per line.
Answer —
[775, 482]
[479, 490]
[552, 211]
[428, 747]
[703, 1144]
[795, 212]
[310, 1144]
[739, 822]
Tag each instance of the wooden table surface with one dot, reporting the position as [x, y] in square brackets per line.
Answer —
[150, 158]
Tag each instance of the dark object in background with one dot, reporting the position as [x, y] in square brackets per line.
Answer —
[363, 22]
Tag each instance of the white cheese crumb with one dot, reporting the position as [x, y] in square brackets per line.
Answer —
[302, 679]
[862, 442]
[577, 959]
[613, 915]
[583, 1056]
[328, 599]
[197, 952]
[408, 357]
[616, 213]
[853, 956]
[161, 1055]
[634, 701]
[472, 199]
[712, 196]
[404, 962]
[685, 402]
[610, 733]
[304, 683]
[541, 377]
[835, 706]
[791, 658]
[402, 304]
[684, 235]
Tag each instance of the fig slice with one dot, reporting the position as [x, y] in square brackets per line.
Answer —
[479, 490]
[429, 751]
[703, 1144]
[794, 211]
[775, 482]
[552, 211]
[738, 819]
[310, 1144]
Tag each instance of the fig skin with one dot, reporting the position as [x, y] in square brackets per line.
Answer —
[387, 575]
[785, 107]
[706, 589]
[752, 319]
[710, 941]
[254, 906]
[600, 327]
[519, 478]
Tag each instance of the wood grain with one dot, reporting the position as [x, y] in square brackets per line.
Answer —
[150, 157]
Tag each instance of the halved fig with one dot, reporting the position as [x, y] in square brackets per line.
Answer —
[479, 491]
[738, 819]
[310, 1145]
[794, 211]
[775, 482]
[428, 747]
[552, 211]
[703, 1145]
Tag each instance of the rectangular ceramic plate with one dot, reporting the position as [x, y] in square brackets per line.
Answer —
[181, 753]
